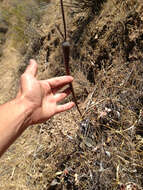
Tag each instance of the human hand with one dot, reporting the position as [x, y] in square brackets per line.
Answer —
[42, 97]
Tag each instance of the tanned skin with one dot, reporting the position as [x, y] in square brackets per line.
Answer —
[36, 102]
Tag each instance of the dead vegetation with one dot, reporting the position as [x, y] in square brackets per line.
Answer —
[105, 150]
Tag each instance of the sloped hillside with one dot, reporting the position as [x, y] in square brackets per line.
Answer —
[103, 150]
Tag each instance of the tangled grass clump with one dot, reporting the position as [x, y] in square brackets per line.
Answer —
[89, 5]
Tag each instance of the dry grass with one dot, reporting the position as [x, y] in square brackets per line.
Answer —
[107, 50]
[105, 150]
[90, 6]
[20, 16]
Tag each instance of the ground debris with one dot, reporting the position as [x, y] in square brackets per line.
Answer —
[104, 151]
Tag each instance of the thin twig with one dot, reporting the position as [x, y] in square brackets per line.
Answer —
[64, 20]
[66, 52]
[59, 30]
[66, 55]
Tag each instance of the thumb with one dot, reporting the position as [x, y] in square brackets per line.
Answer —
[32, 68]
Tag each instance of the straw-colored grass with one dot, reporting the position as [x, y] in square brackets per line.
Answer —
[105, 150]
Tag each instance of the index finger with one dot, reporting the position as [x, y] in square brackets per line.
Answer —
[59, 81]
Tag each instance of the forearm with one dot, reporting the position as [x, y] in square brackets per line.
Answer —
[36, 102]
[14, 118]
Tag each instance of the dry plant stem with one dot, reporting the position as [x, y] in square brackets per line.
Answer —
[59, 30]
[66, 53]
[64, 20]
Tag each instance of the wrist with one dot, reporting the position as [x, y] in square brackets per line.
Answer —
[25, 108]
[15, 118]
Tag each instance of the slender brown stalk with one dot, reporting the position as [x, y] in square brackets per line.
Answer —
[66, 53]
[64, 20]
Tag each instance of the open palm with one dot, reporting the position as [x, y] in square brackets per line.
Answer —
[43, 95]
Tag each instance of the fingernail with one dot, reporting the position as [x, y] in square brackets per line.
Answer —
[71, 77]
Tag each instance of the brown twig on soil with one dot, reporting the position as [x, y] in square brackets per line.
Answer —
[64, 20]
[66, 55]
[66, 52]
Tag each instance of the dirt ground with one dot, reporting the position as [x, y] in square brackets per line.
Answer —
[105, 149]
